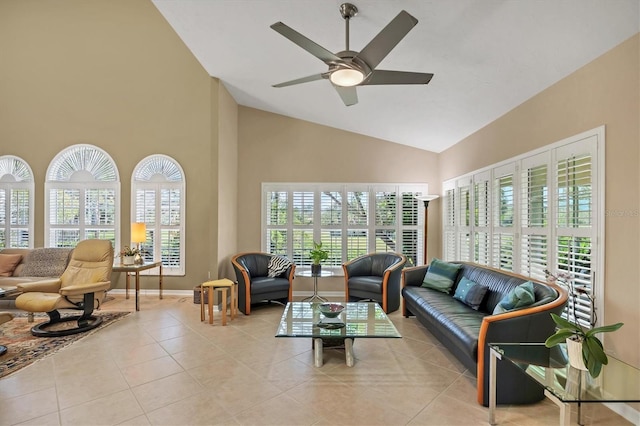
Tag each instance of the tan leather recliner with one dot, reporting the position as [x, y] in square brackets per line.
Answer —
[81, 286]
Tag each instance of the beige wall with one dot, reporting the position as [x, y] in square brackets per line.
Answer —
[227, 187]
[604, 92]
[115, 75]
[274, 148]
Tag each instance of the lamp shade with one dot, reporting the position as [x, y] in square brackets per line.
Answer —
[138, 232]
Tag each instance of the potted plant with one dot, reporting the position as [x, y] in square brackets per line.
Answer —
[317, 255]
[584, 348]
[128, 254]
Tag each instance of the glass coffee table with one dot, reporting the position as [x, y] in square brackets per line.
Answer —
[563, 384]
[357, 320]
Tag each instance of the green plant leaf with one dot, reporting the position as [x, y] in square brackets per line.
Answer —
[595, 350]
[604, 329]
[559, 337]
[563, 323]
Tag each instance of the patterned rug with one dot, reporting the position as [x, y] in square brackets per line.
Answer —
[24, 348]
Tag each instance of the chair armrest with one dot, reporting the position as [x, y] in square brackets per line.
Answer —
[48, 285]
[360, 266]
[413, 276]
[80, 289]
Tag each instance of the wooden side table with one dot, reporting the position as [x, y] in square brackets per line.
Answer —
[220, 286]
[136, 269]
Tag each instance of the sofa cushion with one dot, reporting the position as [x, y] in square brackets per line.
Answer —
[8, 263]
[46, 262]
[450, 317]
[277, 266]
[518, 298]
[470, 293]
[263, 285]
[441, 275]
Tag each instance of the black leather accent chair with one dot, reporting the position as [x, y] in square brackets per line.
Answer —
[375, 276]
[254, 284]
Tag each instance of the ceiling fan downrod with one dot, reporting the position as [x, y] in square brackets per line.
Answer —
[348, 11]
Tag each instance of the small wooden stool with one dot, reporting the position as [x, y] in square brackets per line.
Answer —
[221, 286]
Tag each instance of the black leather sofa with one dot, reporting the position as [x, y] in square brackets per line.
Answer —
[466, 332]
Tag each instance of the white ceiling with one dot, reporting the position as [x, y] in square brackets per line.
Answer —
[488, 56]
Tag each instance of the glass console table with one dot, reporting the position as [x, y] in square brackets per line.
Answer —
[564, 385]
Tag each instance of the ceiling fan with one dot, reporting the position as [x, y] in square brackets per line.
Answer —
[348, 69]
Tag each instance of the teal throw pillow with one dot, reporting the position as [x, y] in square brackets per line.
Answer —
[441, 275]
[518, 298]
[470, 293]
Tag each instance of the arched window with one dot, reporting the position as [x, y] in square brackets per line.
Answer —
[82, 197]
[158, 192]
[16, 203]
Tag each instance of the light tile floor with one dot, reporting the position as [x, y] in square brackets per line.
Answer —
[163, 366]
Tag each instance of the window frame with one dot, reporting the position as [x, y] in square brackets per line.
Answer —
[592, 142]
[78, 180]
[344, 228]
[9, 184]
[155, 183]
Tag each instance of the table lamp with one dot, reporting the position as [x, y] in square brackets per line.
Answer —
[138, 235]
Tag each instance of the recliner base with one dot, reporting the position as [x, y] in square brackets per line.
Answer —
[84, 324]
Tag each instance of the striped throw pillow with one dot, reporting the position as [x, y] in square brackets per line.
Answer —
[277, 266]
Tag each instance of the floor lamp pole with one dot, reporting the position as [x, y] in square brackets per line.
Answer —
[425, 199]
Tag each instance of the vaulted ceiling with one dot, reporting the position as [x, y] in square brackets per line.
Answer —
[488, 56]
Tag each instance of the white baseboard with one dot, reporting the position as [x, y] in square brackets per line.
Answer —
[626, 411]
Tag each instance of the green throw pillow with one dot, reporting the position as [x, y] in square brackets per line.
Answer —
[518, 298]
[441, 275]
[470, 293]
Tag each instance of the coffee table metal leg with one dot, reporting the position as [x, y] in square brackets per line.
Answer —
[317, 352]
[565, 409]
[348, 351]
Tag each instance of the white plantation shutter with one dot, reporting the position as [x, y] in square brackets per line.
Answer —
[158, 192]
[386, 217]
[358, 224]
[575, 225]
[81, 197]
[449, 217]
[16, 203]
[412, 214]
[277, 213]
[503, 218]
[464, 219]
[534, 216]
[482, 218]
[340, 216]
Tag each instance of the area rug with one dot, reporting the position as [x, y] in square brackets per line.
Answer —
[24, 348]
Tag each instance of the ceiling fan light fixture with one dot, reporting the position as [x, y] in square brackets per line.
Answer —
[346, 77]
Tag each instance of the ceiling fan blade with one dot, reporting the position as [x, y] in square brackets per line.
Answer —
[378, 48]
[301, 80]
[348, 94]
[308, 45]
[397, 77]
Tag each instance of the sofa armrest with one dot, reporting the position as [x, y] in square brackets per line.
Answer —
[533, 324]
[414, 276]
[46, 285]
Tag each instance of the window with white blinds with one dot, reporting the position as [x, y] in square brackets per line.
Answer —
[16, 203]
[349, 219]
[82, 193]
[158, 200]
[545, 213]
